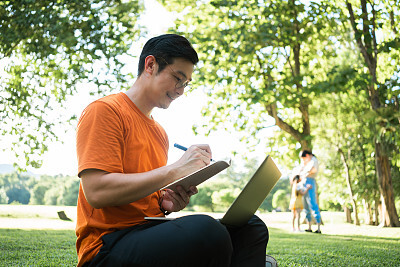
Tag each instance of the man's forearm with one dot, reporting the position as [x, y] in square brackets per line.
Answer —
[104, 189]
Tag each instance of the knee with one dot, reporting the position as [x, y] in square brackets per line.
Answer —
[259, 227]
[211, 234]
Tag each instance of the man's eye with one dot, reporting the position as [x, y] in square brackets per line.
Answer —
[178, 79]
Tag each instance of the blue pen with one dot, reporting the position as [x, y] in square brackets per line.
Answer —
[180, 147]
[183, 148]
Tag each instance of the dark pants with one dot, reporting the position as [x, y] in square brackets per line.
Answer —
[195, 240]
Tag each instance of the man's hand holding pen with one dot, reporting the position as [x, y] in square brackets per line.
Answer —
[195, 157]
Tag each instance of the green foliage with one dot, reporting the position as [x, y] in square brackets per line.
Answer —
[347, 124]
[260, 59]
[281, 200]
[47, 49]
[369, 21]
[18, 194]
[45, 190]
[304, 64]
[283, 185]
[223, 198]
[218, 193]
[13, 188]
[397, 201]
[3, 196]
[38, 193]
[202, 201]
[63, 192]
[70, 193]
[51, 196]
[332, 190]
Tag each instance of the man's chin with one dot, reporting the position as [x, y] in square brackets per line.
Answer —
[165, 106]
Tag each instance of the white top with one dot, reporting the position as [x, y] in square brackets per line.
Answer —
[305, 169]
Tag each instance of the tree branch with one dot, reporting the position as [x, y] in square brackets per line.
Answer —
[357, 34]
[375, 46]
[392, 22]
[299, 137]
[305, 117]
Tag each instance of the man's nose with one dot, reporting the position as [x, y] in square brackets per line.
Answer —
[180, 91]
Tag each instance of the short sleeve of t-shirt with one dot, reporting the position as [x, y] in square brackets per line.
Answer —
[113, 135]
[100, 139]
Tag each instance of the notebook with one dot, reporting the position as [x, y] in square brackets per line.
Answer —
[199, 176]
[251, 197]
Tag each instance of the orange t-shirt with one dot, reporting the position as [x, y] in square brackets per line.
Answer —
[113, 135]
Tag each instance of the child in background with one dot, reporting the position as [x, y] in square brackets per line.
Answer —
[296, 200]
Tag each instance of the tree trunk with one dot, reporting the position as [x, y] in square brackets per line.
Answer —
[349, 187]
[381, 213]
[301, 137]
[347, 211]
[391, 217]
[368, 216]
[377, 208]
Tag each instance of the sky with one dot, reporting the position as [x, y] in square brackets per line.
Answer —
[177, 120]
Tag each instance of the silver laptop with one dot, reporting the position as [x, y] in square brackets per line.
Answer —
[251, 197]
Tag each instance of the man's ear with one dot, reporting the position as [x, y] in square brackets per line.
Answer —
[150, 65]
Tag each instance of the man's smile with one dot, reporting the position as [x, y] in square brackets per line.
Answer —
[171, 97]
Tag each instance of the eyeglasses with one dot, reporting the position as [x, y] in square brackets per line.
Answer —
[181, 83]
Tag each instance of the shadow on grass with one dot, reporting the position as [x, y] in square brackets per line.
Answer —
[310, 249]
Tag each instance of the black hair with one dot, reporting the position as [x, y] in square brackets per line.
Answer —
[165, 48]
[304, 153]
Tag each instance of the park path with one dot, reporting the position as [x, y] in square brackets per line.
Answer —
[45, 217]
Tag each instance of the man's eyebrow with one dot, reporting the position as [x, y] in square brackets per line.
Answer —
[183, 74]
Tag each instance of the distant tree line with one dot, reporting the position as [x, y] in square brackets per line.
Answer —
[45, 190]
[216, 195]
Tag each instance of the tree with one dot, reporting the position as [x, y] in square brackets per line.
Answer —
[345, 130]
[13, 188]
[38, 193]
[367, 22]
[39, 187]
[203, 199]
[3, 196]
[51, 196]
[71, 191]
[219, 192]
[281, 200]
[18, 194]
[260, 59]
[48, 48]
[283, 184]
[223, 198]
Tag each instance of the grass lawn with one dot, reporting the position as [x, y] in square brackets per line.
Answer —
[57, 248]
[309, 249]
[37, 247]
[25, 241]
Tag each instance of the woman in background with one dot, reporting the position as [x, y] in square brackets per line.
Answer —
[308, 172]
